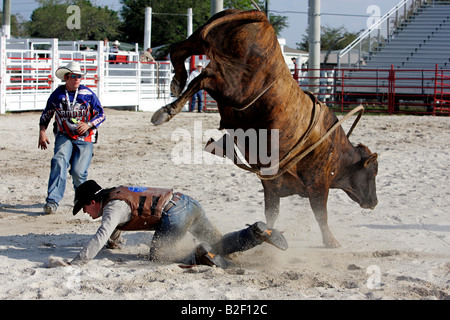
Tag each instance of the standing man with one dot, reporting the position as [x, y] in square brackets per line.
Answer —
[295, 74]
[198, 95]
[146, 56]
[114, 50]
[78, 114]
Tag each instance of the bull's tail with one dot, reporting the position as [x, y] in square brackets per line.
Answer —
[233, 15]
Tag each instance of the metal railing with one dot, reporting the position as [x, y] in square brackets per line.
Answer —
[390, 91]
[387, 91]
[27, 73]
[442, 91]
[366, 42]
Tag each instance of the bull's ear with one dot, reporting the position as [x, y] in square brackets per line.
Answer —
[370, 159]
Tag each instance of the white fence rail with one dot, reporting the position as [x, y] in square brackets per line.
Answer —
[27, 74]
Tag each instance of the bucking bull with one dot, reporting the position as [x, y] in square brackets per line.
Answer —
[254, 89]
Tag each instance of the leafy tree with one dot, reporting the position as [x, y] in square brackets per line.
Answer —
[169, 20]
[17, 22]
[330, 38]
[50, 21]
[277, 22]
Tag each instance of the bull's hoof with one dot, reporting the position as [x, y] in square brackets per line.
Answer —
[328, 239]
[161, 116]
[332, 244]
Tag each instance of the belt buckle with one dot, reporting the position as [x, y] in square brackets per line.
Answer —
[177, 194]
[171, 203]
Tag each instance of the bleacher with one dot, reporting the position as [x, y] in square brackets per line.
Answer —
[408, 59]
[420, 42]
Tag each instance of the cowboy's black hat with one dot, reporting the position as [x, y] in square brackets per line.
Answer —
[84, 194]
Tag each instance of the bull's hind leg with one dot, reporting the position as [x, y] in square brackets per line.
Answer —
[319, 207]
[271, 206]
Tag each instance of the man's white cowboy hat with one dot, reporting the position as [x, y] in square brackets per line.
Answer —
[72, 67]
[116, 43]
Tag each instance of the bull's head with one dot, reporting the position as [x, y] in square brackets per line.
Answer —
[359, 182]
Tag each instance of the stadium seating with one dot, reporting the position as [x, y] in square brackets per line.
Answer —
[414, 49]
[421, 42]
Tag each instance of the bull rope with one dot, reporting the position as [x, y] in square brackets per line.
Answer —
[256, 6]
[296, 159]
[254, 100]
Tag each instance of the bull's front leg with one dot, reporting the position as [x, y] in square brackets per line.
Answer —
[271, 206]
[167, 112]
[164, 114]
[319, 206]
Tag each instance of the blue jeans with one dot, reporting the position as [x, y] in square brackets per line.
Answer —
[68, 152]
[197, 96]
[188, 216]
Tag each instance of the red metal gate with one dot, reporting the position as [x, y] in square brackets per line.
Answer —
[391, 91]
[442, 91]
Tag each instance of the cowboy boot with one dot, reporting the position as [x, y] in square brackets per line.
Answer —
[269, 235]
[204, 256]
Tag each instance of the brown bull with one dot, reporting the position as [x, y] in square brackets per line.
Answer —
[252, 85]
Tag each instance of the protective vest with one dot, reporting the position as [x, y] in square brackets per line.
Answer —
[71, 107]
[146, 205]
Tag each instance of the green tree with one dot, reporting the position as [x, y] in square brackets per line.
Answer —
[17, 23]
[277, 22]
[50, 20]
[169, 18]
[330, 38]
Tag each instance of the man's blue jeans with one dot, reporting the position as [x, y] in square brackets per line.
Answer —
[188, 216]
[68, 152]
[197, 96]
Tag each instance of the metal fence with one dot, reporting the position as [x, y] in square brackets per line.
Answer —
[27, 73]
[391, 91]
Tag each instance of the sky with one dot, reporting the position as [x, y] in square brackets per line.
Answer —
[351, 14]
